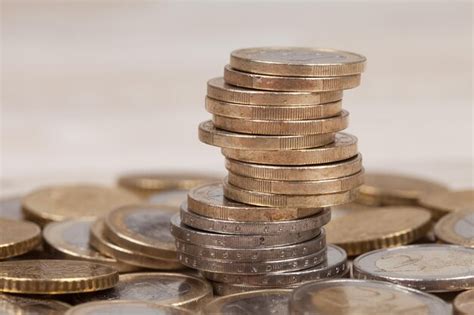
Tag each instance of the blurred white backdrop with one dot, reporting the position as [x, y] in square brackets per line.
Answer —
[91, 89]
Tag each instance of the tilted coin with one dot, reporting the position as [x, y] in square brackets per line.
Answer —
[283, 83]
[21, 305]
[365, 230]
[353, 297]
[125, 307]
[208, 200]
[163, 288]
[18, 237]
[427, 267]
[464, 303]
[219, 90]
[49, 276]
[263, 302]
[59, 203]
[457, 228]
[209, 134]
[10, 208]
[297, 61]
[348, 208]
[441, 203]
[344, 147]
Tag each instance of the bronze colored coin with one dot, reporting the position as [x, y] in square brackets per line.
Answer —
[209, 201]
[464, 303]
[457, 228]
[297, 61]
[21, 305]
[344, 147]
[209, 134]
[18, 237]
[365, 230]
[10, 208]
[219, 90]
[126, 307]
[444, 202]
[158, 287]
[50, 276]
[282, 83]
[59, 203]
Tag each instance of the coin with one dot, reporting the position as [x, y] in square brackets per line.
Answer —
[209, 134]
[50, 276]
[263, 302]
[18, 237]
[457, 228]
[365, 230]
[10, 208]
[363, 297]
[297, 61]
[464, 303]
[441, 203]
[162, 288]
[59, 203]
[427, 267]
[284, 83]
[344, 147]
[22, 305]
[125, 307]
[209, 201]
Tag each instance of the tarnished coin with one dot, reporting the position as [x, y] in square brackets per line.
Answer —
[282, 83]
[263, 302]
[365, 230]
[464, 303]
[50, 276]
[209, 134]
[219, 90]
[65, 202]
[441, 203]
[163, 288]
[10, 208]
[457, 228]
[427, 267]
[353, 297]
[344, 147]
[126, 307]
[297, 61]
[18, 237]
[209, 201]
[21, 305]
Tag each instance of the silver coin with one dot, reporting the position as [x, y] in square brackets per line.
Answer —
[126, 307]
[427, 267]
[11, 304]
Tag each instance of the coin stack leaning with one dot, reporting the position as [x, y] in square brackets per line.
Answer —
[277, 116]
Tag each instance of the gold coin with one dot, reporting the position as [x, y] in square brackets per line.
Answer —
[50, 276]
[219, 90]
[297, 61]
[126, 307]
[365, 230]
[444, 202]
[10, 208]
[59, 203]
[344, 147]
[282, 83]
[464, 303]
[457, 228]
[209, 134]
[22, 305]
[18, 237]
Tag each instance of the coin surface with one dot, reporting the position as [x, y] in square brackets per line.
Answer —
[457, 228]
[365, 230]
[21, 305]
[442, 203]
[125, 307]
[10, 208]
[59, 203]
[464, 303]
[363, 297]
[18, 237]
[49, 276]
[297, 61]
[427, 267]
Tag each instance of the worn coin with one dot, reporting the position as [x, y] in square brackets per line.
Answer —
[21, 305]
[126, 307]
[464, 303]
[18, 237]
[444, 202]
[10, 208]
[457, 228]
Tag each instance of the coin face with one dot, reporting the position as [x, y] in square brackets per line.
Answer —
[18, 237]
[125, 307]
[338, 297]
[10, 208]
[21, 305]
[428, 267]
[457, 228]
[464, 303]
[448, 201]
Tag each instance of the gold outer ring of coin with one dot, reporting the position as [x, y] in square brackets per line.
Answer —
[464, 303]
[297, 61]
[445, 228]
[365, 230]
[313, 187]
[282, 83]
[219, 90]
[283, 127]
[209, 134]
[273, 113]
[49, 276]
[445, 202]
[209, 201]
[133, 307]
[344, 147]
[21, 305]
[18, 237]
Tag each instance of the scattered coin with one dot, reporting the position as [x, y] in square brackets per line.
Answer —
[457, 228]
[18, 237]
[464, 303]
[441, 203]
[10, 208]
[21, 305]
[125, 307]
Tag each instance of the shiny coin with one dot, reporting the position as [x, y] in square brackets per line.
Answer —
[10, 208]
[22, 305]
[55, 276]
[427, 267]
[18, 237]
[126, 307]
[464, 303]
[209, 134]
[344, 147]
[353, 297]
[65, 202]
[457, 228]
[365, 230]
[297, 61]
[441, 203]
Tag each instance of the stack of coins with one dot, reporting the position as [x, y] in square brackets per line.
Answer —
[277, 116]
